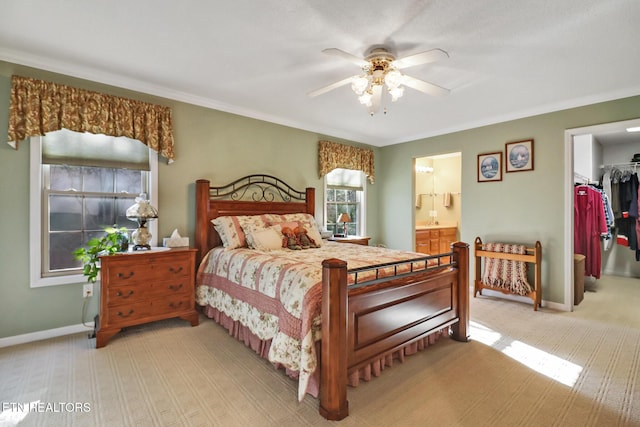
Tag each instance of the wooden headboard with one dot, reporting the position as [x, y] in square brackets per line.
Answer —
[250, 195]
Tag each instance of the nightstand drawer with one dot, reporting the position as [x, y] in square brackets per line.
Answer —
[124, 314]
[172, 304]
[129, 273]
[148, 291]
[167, 289]
[118, 295]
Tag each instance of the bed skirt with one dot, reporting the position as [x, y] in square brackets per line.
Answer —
[366, 373]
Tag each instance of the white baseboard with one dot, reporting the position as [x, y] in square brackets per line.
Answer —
[43, 335]
[547, 304]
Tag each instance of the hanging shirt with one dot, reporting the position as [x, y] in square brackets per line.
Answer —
[638, 228]
[615, 193]
[608, 216]
[589, 225]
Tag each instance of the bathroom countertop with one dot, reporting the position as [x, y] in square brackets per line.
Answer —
[434, 226]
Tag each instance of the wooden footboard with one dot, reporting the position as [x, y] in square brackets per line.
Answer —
[375, 318]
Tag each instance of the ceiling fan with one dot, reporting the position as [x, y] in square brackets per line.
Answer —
[381, 68]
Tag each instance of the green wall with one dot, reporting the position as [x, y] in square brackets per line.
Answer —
[523, 207]
[209, 144]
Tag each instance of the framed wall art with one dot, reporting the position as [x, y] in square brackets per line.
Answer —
[519, 156]
[490, 167]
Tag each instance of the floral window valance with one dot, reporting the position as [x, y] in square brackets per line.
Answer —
[38, 107]
[332, 155]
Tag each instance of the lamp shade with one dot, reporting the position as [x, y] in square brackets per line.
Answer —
[141, 212]
[141, 209]
[344, 217]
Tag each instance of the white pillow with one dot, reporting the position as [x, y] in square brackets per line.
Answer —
[266, 239]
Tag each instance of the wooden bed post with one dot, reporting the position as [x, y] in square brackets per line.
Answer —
[333, 370]
[310, 198]
[202, 215]
[460, 330]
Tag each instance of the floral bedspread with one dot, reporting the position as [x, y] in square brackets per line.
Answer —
[277, 295]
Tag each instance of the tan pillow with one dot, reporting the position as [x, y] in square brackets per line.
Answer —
[266, 239]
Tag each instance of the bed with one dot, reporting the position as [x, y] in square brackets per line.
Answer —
[370, 305]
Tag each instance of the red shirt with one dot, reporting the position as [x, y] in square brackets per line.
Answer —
[589, 223]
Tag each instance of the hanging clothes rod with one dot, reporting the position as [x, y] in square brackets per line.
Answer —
[629, 164]
[582, 178]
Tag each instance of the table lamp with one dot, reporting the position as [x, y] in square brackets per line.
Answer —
[141, 212]
[344, 219]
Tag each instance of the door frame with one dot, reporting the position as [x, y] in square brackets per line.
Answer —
[568, 196]
[457, 153]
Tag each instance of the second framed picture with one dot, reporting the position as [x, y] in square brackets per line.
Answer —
[519, 156]
[490, 167]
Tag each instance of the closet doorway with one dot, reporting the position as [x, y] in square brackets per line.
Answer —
[590, 152]
[438, 202]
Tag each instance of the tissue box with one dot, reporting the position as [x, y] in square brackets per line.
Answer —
[175, 242]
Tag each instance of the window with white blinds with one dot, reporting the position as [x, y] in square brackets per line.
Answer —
[345, 193]
[83, 183]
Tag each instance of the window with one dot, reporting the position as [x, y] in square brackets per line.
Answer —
[81, 183]
[345, 193]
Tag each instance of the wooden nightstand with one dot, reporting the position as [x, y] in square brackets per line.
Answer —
[142, 287]
[357, 240]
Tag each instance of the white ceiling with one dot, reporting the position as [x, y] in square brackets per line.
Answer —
[508, 58]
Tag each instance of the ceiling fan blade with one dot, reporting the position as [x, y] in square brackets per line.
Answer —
[332, 86]
[420, 58]
[346, 55]
[422, 86]
[376, 99]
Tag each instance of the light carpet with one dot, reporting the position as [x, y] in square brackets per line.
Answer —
[522, 368]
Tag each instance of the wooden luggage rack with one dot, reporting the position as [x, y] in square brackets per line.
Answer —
[533, 255]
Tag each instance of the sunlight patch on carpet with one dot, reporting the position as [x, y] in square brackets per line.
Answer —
[547, 364]
[14, 413]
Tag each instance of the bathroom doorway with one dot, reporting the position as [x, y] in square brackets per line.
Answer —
[438, 202]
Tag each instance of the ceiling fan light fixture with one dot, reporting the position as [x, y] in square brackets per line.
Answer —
[381, 69]
[396, 93]
[366, 99]
[393, 79]
[359, 85]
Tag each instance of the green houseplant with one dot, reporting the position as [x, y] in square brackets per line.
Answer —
[115, 240]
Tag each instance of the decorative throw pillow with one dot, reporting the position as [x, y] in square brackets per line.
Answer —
[266, 239]
[250, 223]
[289, 224]
[230, 232]
[232, 229]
